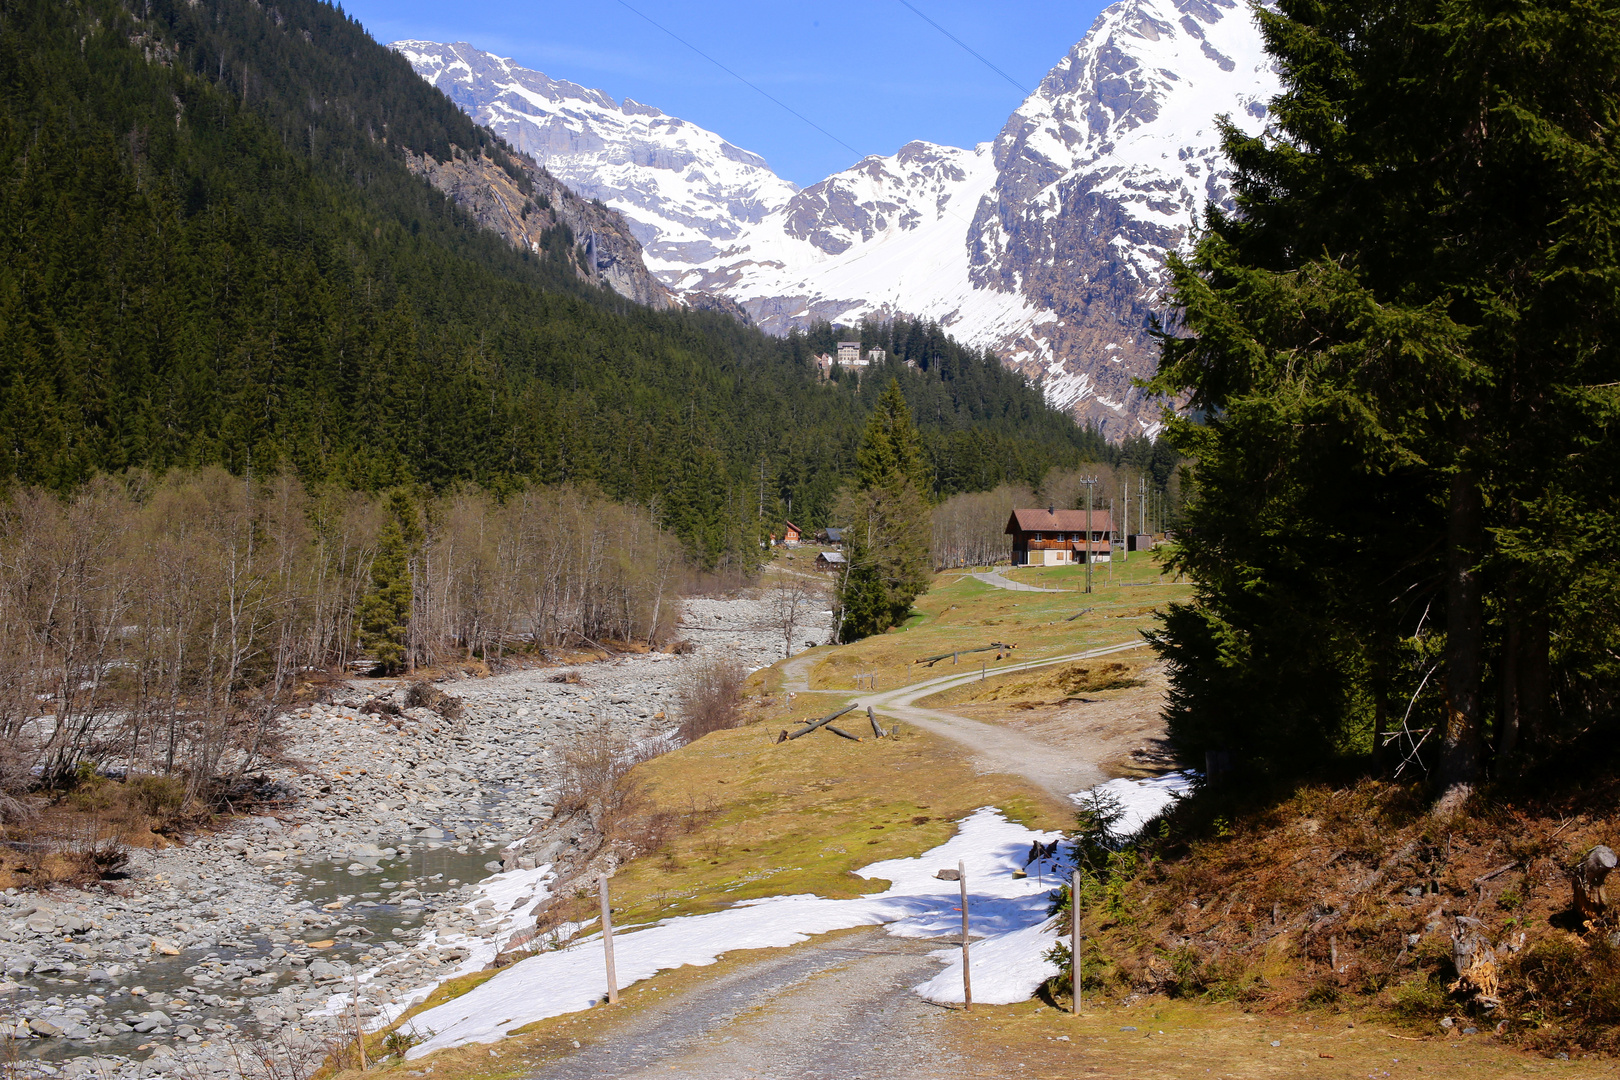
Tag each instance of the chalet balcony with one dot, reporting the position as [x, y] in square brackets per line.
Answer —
[1067, 545]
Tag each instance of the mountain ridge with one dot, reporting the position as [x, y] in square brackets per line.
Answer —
[1045, 244]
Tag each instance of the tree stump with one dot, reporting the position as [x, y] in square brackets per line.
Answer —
[1588, 877]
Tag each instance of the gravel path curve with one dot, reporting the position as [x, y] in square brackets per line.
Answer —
[999, 749]
[838, 1009]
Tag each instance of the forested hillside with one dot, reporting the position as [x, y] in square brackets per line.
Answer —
[214, 254]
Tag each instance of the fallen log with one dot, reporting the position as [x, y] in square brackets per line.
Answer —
[877, 732]
[1077, 614]
[824, 720]
[841, 731]
[994, 646]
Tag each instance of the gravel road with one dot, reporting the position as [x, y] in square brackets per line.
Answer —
[825, 1010]
[996, 747]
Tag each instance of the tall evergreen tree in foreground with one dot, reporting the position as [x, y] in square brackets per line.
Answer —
[886, 523]
[1402, 352]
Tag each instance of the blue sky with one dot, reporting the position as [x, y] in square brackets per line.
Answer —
[870, 72]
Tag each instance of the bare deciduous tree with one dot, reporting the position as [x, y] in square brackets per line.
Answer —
[792, 597]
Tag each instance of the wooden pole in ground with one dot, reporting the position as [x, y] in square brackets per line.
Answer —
[607, 945]
[1074, 934]
[967, 978]
[871, 718]
[359, 1030]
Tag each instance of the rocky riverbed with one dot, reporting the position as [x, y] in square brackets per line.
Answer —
[377, 878]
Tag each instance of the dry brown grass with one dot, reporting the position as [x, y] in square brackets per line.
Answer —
[1352, 898]
[1047, 686]
[771, 819]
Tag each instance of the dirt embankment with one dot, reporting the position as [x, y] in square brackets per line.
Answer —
[1363, 897]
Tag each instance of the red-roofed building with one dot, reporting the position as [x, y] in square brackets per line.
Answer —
[1053, 537]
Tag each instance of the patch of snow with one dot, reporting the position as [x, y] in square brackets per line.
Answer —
[513, 894]
[1142, 800]
[916, 904]
[1006, 968]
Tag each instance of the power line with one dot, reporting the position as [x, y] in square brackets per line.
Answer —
[744, 81]
[959, 41]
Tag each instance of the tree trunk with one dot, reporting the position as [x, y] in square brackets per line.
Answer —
[1588, 877]
[1380, 721]
[1507, 736]
[1534, 675]
[1465, 633]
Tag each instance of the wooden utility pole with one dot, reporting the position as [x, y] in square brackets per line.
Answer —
[607, 945]
[1090, 482]
[967, 978]
[1074, 934]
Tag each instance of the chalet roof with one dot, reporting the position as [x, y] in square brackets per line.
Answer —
[792, 526]
[1050, 520]
[835, 534]
[849, 344]
[831, 557]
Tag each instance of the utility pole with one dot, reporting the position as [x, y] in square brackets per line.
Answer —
[1090, 482]
[1125, 525]
[607, 944]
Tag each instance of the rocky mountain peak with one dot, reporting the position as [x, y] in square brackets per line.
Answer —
[684, 189]
[1046, 244]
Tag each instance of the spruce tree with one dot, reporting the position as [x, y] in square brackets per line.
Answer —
[1401, 353]
[385, 611]
[886, 523]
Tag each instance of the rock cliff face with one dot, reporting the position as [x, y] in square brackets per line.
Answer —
[610, 253]
[1100, 173]
[1046, 245]
[685, 190]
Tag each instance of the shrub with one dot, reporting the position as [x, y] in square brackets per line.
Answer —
[1420, 999]
[712, 701]
[424, 695]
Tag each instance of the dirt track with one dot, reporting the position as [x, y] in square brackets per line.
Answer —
[833, 1009]
[999, 748]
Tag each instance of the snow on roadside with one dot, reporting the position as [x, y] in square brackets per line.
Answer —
[1009, 916]
[1010, 967]
[916, 904]
[1142, 800]
[1006, 968]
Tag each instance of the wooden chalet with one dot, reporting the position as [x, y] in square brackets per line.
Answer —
[791, 534]
[1054, 537]
[830, 560]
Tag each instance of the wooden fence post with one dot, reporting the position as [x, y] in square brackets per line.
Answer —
[359, 1029]
[607, 945]
[967, 978]
[1074, 934]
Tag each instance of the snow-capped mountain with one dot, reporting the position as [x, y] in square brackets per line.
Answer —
[684, 189]
[1100, 173]
[1046, 244]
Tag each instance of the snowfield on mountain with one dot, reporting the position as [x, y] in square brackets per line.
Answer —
[1045, 244]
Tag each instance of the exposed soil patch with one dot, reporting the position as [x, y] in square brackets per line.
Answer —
[1108, 711]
